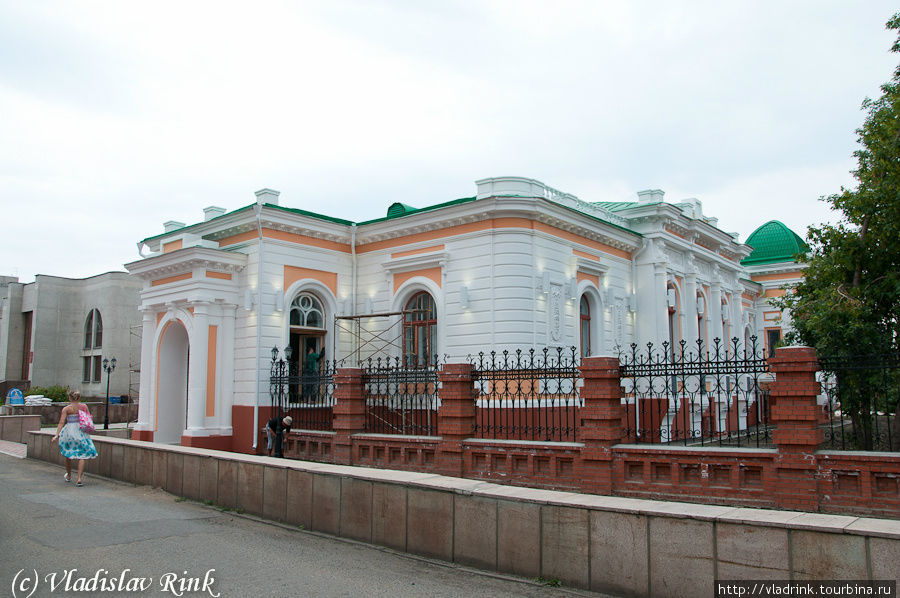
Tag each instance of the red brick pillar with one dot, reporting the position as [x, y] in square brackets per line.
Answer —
[349, 412]
[456, 415]
[601, 422]
[797, 435]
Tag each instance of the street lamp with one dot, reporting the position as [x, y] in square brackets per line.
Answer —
[108, 367]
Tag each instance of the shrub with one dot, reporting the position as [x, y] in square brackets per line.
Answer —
[57, 394]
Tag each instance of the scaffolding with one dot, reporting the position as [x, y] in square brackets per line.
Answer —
[366, 342]
[134, 362]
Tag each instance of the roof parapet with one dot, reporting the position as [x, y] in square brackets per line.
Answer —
[212, 212]
[270, 196]
[651, 196]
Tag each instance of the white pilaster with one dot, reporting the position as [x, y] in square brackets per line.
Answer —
[226, 368]
[196, 410]
[715, 312]
[147, 402]
[689, 306]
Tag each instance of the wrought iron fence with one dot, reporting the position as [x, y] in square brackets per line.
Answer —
[861, 402]
[307, 396]
[697, 395]
[530, 395]
[401, 396]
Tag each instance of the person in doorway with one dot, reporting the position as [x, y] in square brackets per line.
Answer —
[275, 430]
[73, 442]
[310, 373]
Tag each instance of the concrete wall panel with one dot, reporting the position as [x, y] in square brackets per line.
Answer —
[429, 520]
[739, 556]
[356, 509]
[250, 488]
[681, 557]
[299, 498]
[475, 545]
[817, 555]
[519, 538]
[389, 515]
[326, 504]
[564, 545]
[275, 493]
[619, 547]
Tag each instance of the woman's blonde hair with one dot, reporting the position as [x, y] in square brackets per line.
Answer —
[74, 395]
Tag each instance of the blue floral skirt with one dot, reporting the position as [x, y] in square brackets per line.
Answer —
[75, 444]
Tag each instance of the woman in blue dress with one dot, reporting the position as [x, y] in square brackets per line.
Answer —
[73, 443]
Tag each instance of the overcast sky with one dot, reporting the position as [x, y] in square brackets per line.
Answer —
[118, 116]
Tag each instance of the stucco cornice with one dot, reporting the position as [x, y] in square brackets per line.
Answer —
[186, 260]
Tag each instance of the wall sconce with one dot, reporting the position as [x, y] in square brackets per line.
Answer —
[672, 298]
[701, 305]
[248, 300]
[368, 305]
[545, 283]
[279, 300]
[724, 314]
[464, 297]
[573, 289]
[629, 303]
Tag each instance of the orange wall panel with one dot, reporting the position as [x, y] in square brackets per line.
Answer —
[294, 273]
[211, 339]
[173, 246]
[170, 279]
[431, 273]
[590, 278]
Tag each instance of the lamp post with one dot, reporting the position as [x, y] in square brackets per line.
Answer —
[108, 367]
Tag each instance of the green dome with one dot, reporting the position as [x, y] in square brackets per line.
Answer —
[774, 242]
[399, 209]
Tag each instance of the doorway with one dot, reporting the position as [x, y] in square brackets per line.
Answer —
[172, 383]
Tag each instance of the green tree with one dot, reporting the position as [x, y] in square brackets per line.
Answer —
[849, 301]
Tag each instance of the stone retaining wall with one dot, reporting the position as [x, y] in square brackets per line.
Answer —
[15, 428]
[619, 545]
[118, 413]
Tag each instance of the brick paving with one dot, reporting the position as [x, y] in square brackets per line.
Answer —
[15, 449]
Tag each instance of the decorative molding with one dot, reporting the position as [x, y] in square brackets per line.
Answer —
[437, 259]
[185, 261]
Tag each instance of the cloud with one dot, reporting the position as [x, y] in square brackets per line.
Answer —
[121, 116]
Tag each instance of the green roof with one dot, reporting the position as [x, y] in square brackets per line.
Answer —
[615, 206]
[398, 210]
[774, 242]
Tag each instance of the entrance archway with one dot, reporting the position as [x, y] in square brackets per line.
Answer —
[172, 385]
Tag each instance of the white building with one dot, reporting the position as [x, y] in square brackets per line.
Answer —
[518, 265]
[57, 331]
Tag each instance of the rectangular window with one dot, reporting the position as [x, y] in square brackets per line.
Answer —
[773, 337]
[86, 369]
[98, 368]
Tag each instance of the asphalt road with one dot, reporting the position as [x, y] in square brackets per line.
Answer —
[121, 536]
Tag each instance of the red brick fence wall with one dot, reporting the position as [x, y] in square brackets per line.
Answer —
[793, 475]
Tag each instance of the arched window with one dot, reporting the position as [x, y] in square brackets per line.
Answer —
[585, 319]
[306, 311]
[420, 330]
[307, 331]
[91, 368]
[93, 330]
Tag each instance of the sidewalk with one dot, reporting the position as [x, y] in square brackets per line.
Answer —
[13, 449]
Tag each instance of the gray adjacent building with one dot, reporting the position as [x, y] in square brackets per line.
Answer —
[58, 331]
